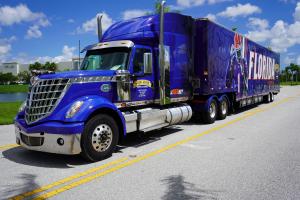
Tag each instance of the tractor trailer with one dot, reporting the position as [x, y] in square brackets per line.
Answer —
[144, 74]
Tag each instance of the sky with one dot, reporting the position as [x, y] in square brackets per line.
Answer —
[49, 30]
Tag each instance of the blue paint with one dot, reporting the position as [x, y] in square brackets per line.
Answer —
[199, 49]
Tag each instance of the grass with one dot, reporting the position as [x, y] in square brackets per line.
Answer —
[13, 88]
[290, 83]
[8, 111]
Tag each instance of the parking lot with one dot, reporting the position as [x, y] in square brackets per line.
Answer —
[252, 154]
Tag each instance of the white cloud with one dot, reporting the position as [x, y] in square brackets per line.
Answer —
[21, 13]
[5, 47]
[298, 60]
[33, 32]
[67, 55]
[280, 36]
[91, 24]
[297, 12]
[242, 10]
[258, 23]
[190, 3]
[211, 17]
[71, 21]
[216, 1]
[129, 14]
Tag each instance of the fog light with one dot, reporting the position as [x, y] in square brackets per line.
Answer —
[60, 141]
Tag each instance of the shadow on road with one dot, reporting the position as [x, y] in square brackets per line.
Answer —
[27, 183]
[41, 159]
[140, 139]
[178, 189]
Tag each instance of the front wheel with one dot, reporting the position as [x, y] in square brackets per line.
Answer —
[100, 138]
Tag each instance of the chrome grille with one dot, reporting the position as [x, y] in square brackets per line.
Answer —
[43, 97]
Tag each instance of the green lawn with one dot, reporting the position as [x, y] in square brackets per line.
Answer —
[8, 111]
[290, 83]
[13, 88]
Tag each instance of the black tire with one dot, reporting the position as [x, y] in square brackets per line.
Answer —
[208, 116]
[267, 98]
[100, 131]
[271, 97]
[223, 108]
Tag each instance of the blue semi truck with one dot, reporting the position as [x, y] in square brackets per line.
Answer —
[145, 74]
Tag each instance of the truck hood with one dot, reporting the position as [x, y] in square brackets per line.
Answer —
[76, 74]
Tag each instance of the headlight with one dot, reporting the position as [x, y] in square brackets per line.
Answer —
[22, 107]
[74, 109]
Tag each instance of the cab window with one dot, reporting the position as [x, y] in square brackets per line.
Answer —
[138, 61]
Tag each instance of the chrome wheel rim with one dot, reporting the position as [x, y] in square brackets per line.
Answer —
[224, 107]
[102, 138]
[212, 110]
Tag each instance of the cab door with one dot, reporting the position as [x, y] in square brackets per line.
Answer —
[143, 83]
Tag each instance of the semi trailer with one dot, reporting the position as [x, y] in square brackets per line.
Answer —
[144, 74]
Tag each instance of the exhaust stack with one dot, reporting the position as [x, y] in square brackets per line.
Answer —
[99, 25]
[162, 62]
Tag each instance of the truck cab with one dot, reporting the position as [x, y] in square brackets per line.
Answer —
[134, 79]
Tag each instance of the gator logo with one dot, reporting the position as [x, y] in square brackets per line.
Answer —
[105, 88]
[141, 83]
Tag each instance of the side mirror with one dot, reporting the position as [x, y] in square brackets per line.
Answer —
[147, 63]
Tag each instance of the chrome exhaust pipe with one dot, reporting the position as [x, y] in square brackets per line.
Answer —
[99, 25]
[162, 85]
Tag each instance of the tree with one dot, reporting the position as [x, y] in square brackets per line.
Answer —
[157, 7]
[36, 66]
[292, 72]
[50, 66]
[24, 76]
[7, 78]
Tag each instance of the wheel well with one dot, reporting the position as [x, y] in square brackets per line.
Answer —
[111, 113]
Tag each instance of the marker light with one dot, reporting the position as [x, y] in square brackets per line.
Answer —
[22, 107]
[74, 109]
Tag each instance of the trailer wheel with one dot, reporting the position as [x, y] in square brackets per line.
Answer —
[100, 138]
[272, 96]
[268, 98]
[210, 115]
[223, 108]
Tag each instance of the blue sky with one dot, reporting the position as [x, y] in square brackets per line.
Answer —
[32, 30]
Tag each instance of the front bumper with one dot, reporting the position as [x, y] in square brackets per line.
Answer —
[56, 140]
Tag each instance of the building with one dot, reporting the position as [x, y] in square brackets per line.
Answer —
[10, 67]
[15, 68]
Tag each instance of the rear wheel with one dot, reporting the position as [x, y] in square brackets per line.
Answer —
[100, 138]
[272, 97]
[210, 114]
[223, 108]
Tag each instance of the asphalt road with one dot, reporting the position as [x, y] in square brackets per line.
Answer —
[253, 154]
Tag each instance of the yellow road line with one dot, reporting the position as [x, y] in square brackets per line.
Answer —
[8, 146]
[68, 179]
[153, 153]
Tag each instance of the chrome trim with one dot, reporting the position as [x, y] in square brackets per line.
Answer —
[71, 142]
[43, 98]
[118, 43]
[146, 102]
[91, 79]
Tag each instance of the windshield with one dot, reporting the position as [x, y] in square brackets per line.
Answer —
[106, 59]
